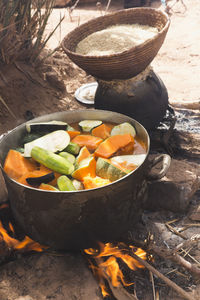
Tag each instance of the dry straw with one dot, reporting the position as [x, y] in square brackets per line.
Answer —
[22, 29]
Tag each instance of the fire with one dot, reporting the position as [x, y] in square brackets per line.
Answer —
[26, 245]
[107, 266]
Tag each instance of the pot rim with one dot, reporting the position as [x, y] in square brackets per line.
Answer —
[51, 115]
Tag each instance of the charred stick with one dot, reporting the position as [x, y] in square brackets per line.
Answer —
[169, 254]
[190, 242]
[170, 283]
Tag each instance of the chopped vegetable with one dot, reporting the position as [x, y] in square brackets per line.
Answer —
[102, 131]
[78, 185]
[112, 144]
[73, 133]
[91, 183]
[54, 141]
[52, 161]
[88, 125]
[46, 126]
[29, 137]
[47, 187]
[65, 184]
[16, 165]
[123, 128]
[72, 148]
[20, 150]
[70, 157]
[90, 141]
[130, 162]
[84, 153]
[86, 167]
[105, 169]
[41, 179]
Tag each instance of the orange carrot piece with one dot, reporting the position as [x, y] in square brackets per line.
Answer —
[91, 183]
[84, 153]
[90, 141]
[112, 144]
[73, 134]
[88, 168]
[16, 164]
[102, 131]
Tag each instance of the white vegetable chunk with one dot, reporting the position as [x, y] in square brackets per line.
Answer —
[123, 128]
[135, 159]
[54, 141]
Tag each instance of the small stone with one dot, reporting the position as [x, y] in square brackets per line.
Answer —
[195, 215]
[174, 191]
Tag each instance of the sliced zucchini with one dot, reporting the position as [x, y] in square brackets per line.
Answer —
[52, 161]
[105, 169]
[65, 184]
[129, 161]
[41, 179]
[72, 148]
[46, 126]
[70, 157]
[88, 125]
[123, 128]
[54, 141]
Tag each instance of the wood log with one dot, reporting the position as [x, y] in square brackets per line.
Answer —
[174, 191]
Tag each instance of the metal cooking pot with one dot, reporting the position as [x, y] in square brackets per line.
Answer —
[77, 220]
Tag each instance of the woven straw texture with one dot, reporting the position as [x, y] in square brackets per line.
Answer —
[126, 64]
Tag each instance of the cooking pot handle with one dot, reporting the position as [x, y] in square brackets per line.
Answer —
[166, 161]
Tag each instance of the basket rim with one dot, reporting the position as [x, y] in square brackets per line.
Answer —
[136, 48]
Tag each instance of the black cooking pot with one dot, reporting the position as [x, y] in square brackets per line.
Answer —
[145, 100]
[75, 220]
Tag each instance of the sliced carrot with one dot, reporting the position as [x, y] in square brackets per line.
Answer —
[84, 153]
[112, 144]
[102, 131]
[90, 141]
[16, 164]
[91, 183]
[73, 134]
[87, 167]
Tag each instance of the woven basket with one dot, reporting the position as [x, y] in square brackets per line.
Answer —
[126, 64]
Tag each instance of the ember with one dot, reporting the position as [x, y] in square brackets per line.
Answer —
[109, 269]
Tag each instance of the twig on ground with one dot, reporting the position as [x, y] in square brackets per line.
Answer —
[108, 5]
[10, 111]
[169, 254]
[170, 283]
[193, 240]
[172, 229]
[153, 286]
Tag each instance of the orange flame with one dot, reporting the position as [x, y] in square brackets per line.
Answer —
[110, 267]
[27, 244]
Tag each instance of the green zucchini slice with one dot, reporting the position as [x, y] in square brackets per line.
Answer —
[88, 125]
[123, 128]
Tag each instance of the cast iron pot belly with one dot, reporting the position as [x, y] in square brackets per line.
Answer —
[75, 220]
